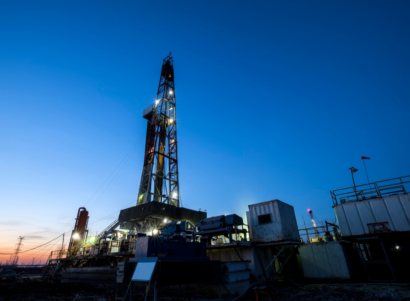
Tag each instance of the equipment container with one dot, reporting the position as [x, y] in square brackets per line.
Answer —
[156, 246]
[331, 260]
[373, 216]
[272, 221]
[233, 219]
[214, 222]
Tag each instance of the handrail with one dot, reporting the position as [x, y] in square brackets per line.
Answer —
[114, 224]
[88, 251]
[370, 190]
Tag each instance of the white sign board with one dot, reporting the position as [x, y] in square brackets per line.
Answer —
[144, 270]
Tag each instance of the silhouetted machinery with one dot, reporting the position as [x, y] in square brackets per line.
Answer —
[181, 231]
[115, 243]
[227, 225]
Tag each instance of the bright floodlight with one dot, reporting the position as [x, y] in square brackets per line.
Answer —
[155, 231]
[171, 120]
[157, 101]
[170, 92]
[165, 220]
[76, 236]
[175, 194]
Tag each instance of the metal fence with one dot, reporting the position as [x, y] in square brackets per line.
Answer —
[312, 232]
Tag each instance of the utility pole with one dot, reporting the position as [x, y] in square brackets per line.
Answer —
[62, 247]
[160, 178]
[353, 170]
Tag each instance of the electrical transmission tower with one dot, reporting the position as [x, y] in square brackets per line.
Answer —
[159, 180]
[15, 257]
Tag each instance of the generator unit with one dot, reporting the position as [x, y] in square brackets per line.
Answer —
[221, 225]
[157, 246]
[215, 222]
[218, 222]
[181, 231]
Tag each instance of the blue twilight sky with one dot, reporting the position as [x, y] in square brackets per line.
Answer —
[275, 99]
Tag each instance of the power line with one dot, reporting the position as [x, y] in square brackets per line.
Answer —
[111, 213]
[122, 164]
[125, 158]
[34, 247]
[116, 170]
[112, 172]
[47, 250]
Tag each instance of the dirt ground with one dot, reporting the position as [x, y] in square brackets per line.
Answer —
[40, 290]
[37, 290]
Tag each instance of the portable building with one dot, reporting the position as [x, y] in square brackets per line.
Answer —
[272, 221]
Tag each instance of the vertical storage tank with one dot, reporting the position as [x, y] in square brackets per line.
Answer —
[272, 221]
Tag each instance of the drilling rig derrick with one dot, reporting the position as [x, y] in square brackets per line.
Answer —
[159, 180]
[159, 198]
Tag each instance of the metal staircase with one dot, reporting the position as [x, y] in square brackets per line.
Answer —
[110, 227]
[51, 267]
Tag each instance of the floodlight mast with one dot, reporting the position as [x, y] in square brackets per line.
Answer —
[160, 179]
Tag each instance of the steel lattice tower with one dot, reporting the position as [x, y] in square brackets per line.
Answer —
[159, 180]
[15, 257]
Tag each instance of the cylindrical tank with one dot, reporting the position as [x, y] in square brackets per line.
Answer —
[80, 231]
[82, 221]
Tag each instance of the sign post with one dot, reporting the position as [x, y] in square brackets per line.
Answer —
[143, 272]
